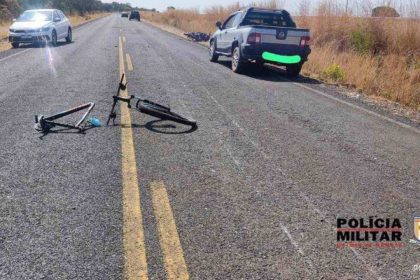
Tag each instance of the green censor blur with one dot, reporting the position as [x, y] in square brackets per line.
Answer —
[292, 59]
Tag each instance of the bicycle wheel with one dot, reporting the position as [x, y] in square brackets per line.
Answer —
[163, 113]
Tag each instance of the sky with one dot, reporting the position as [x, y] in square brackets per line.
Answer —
[161, 5]
[356, 6]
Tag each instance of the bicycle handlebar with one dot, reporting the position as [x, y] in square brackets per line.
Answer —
[121, 86]
[147, 107]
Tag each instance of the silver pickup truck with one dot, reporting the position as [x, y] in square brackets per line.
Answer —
[261, 36]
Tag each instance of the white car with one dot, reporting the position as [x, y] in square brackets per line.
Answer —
[37, 26]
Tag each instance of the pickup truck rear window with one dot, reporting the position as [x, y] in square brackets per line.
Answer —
[268, 19]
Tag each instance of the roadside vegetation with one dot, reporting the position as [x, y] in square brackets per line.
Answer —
[379, 56]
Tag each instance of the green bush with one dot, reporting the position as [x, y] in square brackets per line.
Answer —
[334, 72]
[362, 42]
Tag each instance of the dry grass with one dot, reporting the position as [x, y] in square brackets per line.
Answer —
[386, 76]
[378, 56]
[3, 30]
[74, 19]
[192, 20]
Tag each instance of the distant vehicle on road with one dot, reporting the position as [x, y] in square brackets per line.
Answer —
[261, 36]
[35, 26]
[124, 14]
[134, 15]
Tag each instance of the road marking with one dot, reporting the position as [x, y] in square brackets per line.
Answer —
[317, 91]
[168, 235]
[303, 195]
[124, 39]
[294, 243]
[135, 265]
[129, 62]
[13, 55]
[265, 156]
[359, 108]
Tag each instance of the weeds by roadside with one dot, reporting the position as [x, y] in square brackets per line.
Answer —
[76, 20]
[378, 56]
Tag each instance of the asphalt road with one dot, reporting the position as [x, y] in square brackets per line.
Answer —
[253, 193]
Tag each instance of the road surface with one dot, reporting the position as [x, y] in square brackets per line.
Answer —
[253, 193]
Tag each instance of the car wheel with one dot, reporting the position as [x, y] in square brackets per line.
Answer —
[69, 37]
[238, 64]
[293, 70]
[54, 38]
[15, 45]
[212, 52]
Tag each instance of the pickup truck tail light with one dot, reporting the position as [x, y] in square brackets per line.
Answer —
[304, 41]
[254, 38]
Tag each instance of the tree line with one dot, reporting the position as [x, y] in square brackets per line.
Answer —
[12, 8]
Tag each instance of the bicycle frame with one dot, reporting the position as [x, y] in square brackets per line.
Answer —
[141, 106]
[44, 124]
[117, 98]
[127, 100]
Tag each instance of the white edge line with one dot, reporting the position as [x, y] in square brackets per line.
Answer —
[413, 129]
[291, 182]
[297, 247]
[284, 229]
[13, 55]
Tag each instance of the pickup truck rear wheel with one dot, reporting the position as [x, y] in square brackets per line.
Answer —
[238, 64]
[212, 52]
[293, 70]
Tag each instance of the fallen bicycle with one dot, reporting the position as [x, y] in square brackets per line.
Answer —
[147, 107]
[45, 124]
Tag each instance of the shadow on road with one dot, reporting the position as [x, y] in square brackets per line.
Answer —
[157, 126]
[65, 131]
[164, 127]
[41, 45]
[271, 73]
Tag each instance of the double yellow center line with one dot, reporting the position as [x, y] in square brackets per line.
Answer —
[135, 265]
[168, 234]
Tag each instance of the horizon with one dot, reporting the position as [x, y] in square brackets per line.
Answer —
[406, 8]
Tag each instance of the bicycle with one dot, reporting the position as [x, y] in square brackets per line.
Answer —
[147, 107]
[44, 124]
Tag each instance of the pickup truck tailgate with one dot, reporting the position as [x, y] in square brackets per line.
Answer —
[283, 36]
[281, 40]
